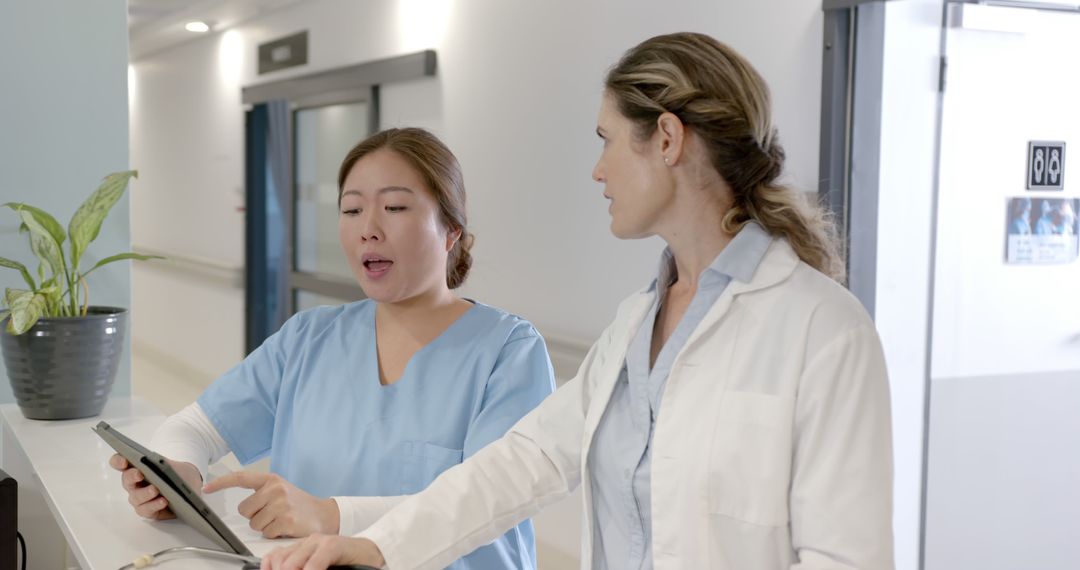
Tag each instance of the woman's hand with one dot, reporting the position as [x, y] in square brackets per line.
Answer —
[318, 552]
[146, 498]
[278, 508]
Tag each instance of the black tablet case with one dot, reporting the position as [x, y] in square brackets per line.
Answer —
[183, 501]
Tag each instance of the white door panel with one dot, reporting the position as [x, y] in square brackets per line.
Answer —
[1003, 483]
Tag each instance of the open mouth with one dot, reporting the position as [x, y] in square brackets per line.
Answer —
[375, 264]
[378, 265]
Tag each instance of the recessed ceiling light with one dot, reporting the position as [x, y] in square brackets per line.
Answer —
[197, 26]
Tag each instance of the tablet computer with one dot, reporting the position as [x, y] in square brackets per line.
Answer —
[184, 502]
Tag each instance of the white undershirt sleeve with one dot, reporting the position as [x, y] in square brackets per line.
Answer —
[355, 514]
[189, 436]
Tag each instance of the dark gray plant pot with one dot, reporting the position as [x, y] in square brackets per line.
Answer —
[63, 368]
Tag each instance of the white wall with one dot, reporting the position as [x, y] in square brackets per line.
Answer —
[63, 127]
[187, 140]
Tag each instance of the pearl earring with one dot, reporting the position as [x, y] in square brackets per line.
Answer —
[667, 161]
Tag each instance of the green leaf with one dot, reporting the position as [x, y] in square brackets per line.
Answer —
[43, 244]
[26, 308]
[44, 218]
[54, 301]
[119, 257]
[4, 262]
[86, 223]
[10, 294]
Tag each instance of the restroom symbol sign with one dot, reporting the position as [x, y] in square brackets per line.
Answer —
[1046, 165]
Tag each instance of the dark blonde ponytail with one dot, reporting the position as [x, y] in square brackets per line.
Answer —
[718, 95]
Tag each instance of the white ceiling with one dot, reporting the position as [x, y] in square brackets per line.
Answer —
[155, 25]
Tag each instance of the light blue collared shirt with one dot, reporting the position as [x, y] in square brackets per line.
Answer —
[621, 453]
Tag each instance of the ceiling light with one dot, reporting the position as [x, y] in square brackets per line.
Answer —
[197, 26]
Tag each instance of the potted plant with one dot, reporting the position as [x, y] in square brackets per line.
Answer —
[60, 352]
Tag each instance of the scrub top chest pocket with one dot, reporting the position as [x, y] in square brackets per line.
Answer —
[750, 458]
[423, 462]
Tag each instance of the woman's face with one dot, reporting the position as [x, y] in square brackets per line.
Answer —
[633, 173]
[390, 229]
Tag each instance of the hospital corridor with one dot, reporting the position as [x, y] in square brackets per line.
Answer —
[500, 284]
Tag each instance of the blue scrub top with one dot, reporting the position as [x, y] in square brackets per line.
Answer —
[310, 398]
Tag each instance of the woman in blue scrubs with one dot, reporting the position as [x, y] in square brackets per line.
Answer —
[362, 404]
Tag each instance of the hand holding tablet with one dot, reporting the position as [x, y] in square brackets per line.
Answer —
[158, 483]
[145, 498]
[183, 499]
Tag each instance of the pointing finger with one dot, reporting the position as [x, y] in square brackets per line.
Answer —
[243, 479]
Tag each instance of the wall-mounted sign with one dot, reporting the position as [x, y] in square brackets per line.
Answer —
[1042, 230]
[283, 53]
[1046, 165]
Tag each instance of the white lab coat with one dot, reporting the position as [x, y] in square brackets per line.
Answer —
[772, 447]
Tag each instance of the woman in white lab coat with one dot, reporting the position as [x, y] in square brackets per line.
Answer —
[735, 415]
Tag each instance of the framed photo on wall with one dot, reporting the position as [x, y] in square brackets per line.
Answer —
[1042, 230]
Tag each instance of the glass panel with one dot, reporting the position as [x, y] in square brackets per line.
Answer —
[307, 300]
[323, 136]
